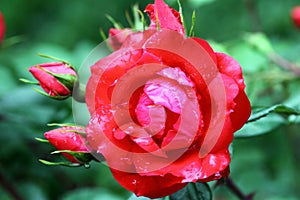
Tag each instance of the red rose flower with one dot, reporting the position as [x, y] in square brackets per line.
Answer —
[295, 14]
[164, 109]
[68, 138]
[57, 79]
[117, 37]
[2, 27]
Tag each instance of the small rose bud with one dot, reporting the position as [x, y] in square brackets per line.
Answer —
[295, 14]
[117, 37]
[57, 79]
[2, 28]
[69, 141]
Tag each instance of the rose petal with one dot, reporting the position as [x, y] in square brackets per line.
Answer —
[227, 65]
[117, 37]
[163, 92]
[207, 47]
[191, 168]
[149, 186]
[166, 16]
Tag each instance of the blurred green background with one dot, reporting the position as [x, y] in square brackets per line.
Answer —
[267, 164]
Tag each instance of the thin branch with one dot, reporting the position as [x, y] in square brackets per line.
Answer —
[253, 14]
[285, 64]
[9, 187]
[235, 190]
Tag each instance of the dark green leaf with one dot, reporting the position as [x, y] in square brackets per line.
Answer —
[134, 197]
[193, 191]
[91, 194]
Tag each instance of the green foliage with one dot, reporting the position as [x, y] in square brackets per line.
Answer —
[193, 191]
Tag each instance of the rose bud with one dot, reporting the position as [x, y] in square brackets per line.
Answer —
[69, 141]
[117, 37]
[57, 79]
[295, 14]
[2, 27]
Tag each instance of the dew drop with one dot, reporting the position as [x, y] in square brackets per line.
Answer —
[87, 165]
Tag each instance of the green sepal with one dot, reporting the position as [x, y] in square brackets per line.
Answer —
[61, 125]
[129, 20]
[66, 164]
[28, 81]
[55, 59]
[181, 15]
[139, 19]
[142, 20]
[192, 32]
[69, 124]
[52, 97]
[77, 132]
[83, 157]
[113, 21]
[104, 38]
[41, 140]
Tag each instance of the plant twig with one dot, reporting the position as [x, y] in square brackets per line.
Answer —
[234, 189]
[253, 14]
[9, 187]
[285, 64]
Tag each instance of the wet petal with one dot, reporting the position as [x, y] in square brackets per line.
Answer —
[165, 93]
[150, 186]
[166, 16]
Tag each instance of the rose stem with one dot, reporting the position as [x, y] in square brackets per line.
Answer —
[253, 15]
[9, 187]
[234, 189]
[285, 64]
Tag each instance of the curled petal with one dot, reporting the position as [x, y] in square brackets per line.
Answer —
[164, 16]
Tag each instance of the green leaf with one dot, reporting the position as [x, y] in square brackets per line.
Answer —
[259, 41]
[263, 112]
[264, 120]
[134, 197]
[193, 191]
[90, 194]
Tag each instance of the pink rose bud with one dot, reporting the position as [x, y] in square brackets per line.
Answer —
[57, 79]
[70, 139]
[2, 27]
[295, 14]
[117, 37]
